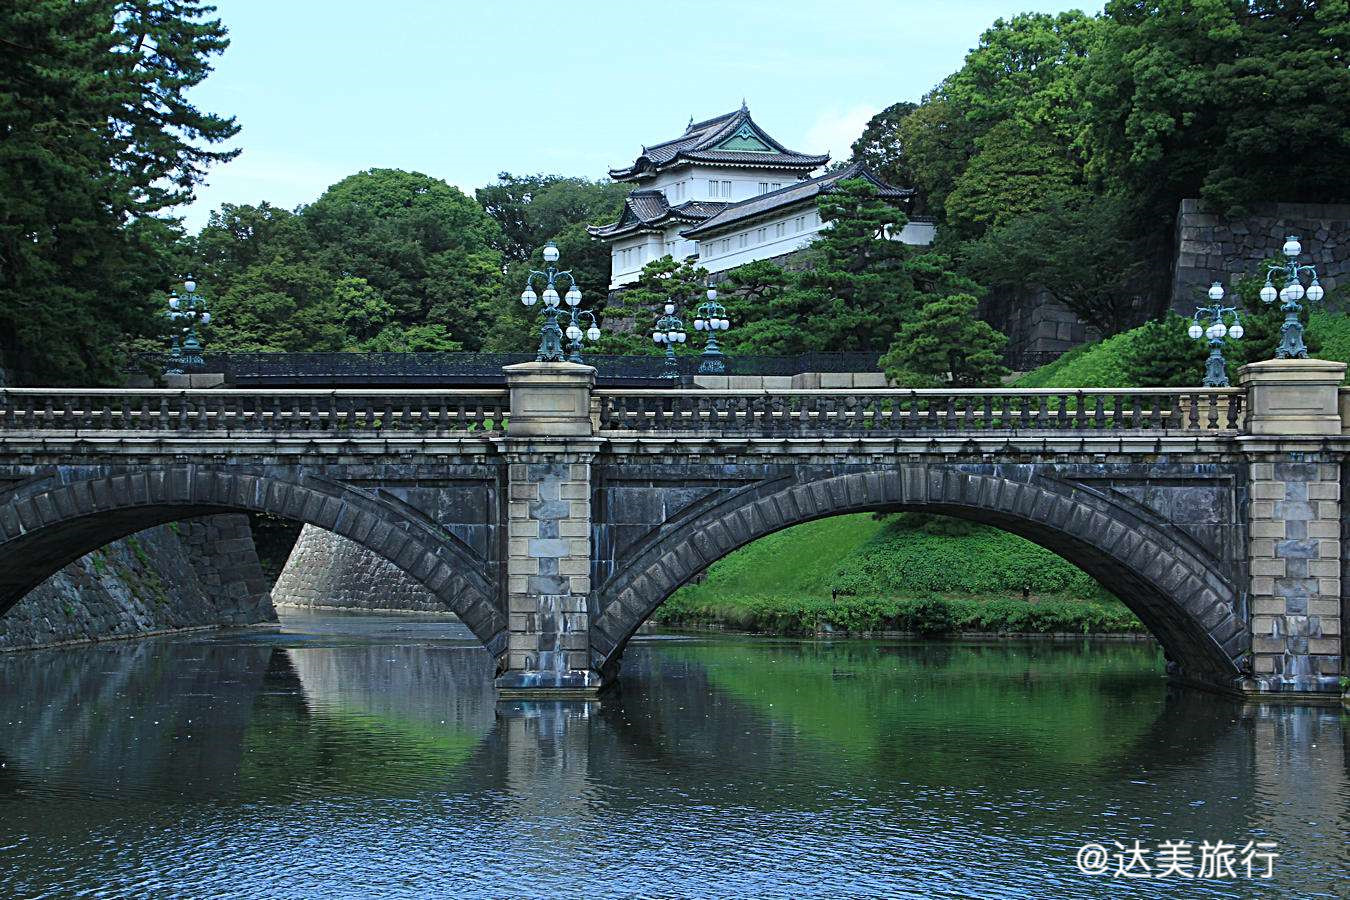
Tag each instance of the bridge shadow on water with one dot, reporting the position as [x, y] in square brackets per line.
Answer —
[331, 751]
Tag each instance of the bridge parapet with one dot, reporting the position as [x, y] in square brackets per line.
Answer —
[894, 411]
[110, 412]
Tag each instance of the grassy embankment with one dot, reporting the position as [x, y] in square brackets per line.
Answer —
[914, 573]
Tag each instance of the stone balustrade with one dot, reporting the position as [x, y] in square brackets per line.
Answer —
[355, 412]
[878, 412]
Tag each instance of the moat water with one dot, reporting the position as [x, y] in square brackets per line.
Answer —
[342, 756]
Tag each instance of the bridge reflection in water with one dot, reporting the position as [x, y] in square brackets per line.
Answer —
[368, 754]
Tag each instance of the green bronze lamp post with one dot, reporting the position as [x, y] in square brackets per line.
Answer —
[191, 309]
[551, 334]
[710, 318]
[1291, 344]
[575, 334]
[1210, 322]
[669, 331]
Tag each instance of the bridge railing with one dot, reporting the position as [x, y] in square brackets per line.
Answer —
[164, 411]
[898, 411]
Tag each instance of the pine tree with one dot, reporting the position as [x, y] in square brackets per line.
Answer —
[99, 141]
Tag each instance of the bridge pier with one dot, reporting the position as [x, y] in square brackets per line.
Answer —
[548, 531]
[1294, 525]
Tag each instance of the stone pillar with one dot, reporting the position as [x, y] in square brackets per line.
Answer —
[548, 448]
[1294, 524]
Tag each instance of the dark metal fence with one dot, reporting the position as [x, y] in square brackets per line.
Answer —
[288, 369]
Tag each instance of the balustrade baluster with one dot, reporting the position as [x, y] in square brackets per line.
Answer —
[1235, 409]
[1136, 411]
[1062, 413]
[1212, 418]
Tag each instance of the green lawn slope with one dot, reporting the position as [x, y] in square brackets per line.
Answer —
[924, 574]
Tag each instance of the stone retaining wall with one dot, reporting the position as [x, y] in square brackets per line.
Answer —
[1212, 247]
[190, 574]
[327, 570]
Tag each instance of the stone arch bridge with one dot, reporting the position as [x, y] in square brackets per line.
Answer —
[554, 518]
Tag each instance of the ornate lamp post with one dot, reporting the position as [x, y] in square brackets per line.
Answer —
[574, 333]
[1209, 322]
[192, 309]
[1291, 332]
[710, 318]
[551, 334]
[669, 331]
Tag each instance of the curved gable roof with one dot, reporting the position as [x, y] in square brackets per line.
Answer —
[730, 139]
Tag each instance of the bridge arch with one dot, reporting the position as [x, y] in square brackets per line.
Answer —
[51, 521]
[1188, 598]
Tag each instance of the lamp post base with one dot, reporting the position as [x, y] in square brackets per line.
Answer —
[712, 363]
[1291, 334]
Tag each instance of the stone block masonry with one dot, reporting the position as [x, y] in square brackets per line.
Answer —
[1212, 247]
[328, 570]
[1296, 572]
[548, 571]
[191, 574]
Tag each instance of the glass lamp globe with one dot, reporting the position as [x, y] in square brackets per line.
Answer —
[174, 302]
[1216, 291]
[206, 318]
[1217, 331]
[573, 297]
[528, 297]
[699, 324]
[1195, 331]
[723, 324]
[593, 333]
[1315, 292]
[550, 298]
[1294, 290]
[550, 252]
[680, 336]
[1236, 331]
[190, 286]
[670, 337]
[1292, 247]
[658, 336]
[1268, 293]
[573, 333]
[712, 294]
[670, 309]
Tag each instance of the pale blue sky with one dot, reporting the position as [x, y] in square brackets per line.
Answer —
[463, 90]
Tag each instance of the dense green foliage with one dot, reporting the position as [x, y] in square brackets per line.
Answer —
[1057, 154]
[663, 282]
[99, 140]
[928, 574]
[531, 210]
[384, 260]
[930, 615]
[855, 289]
[946, 344]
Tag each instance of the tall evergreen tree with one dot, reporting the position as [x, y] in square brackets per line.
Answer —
[97, 141]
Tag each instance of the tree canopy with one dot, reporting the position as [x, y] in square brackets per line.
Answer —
[100, 140]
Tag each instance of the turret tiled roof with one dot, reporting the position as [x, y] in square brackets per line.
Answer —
[733, 139]
[648, 210]
[738, 213]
